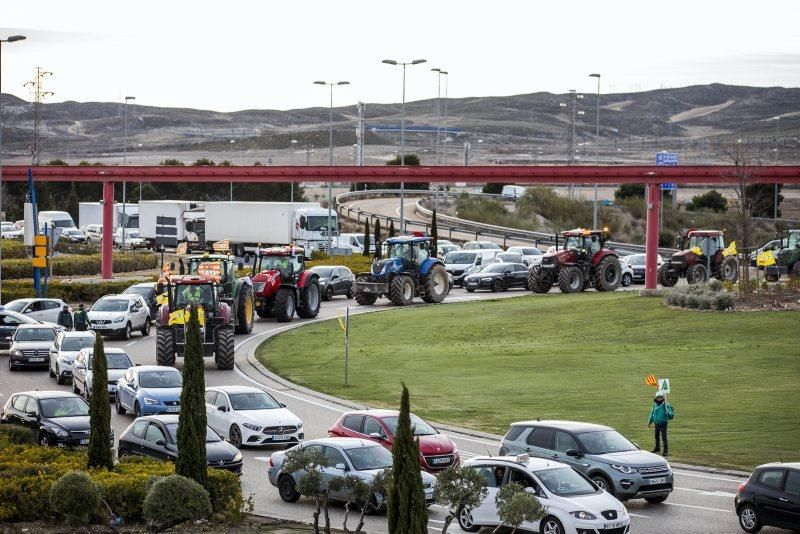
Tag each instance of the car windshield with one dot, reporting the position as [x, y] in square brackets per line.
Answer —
[63, 223]
[318, 223]
[510, 258]
[110, 305]
[72, 231]
[531, 252]
[421, 428]
[17, 305]
[605, 441]
[565, 482]
[323, 272]
[195, 294]
[495, 268]
[160, 379]
[460, 257]
[637, 260]
[144, 291]
[77, 343]
[366, 458]
[133, 234]
[253, 401]
[35, 334]
[211, 436]
[64, 407]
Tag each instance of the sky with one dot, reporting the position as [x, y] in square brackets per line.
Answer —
[236, 55]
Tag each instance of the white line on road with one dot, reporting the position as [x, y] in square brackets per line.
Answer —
[733, 480]
[135, 341]
[699, 507]
[709, 493]
[301, 399]
[640, 515]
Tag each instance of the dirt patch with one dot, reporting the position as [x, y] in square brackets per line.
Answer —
[700, 111]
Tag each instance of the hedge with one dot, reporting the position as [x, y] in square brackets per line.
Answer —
[356, 262]
[13, 249]
[67, 247]
[81, 265]
[86, 292]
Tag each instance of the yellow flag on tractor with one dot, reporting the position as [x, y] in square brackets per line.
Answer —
[730, 250]
[341, 322]
[651, 380]
[765, 259]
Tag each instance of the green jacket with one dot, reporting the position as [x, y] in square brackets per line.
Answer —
[661, 414]
[81, 319]
[65, 319]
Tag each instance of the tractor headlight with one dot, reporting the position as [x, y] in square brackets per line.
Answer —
[258, 287]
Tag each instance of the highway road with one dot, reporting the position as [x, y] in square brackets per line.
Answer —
[701, 503]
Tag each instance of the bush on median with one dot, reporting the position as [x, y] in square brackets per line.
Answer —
[710, 296]
[80, 265]
[66, 291]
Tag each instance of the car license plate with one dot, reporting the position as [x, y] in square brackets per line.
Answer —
[99, 327]
[441, 460]
[661, 480]
[280, 438]
[173, 409]
[35, 359]
[616, 524]
[548, 266]
[84, 442]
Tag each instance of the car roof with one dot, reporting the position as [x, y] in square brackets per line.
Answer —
[236, 389]
[144, 284]
[85, 333]
[107, 350]
[705, 233]
[164, 418]
[37, 326]
[141, 368]
[530, 462]
[344, 443]
[791, 465]
[573, 426]
[48, 394]
[375, 412]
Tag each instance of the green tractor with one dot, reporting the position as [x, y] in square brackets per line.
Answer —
[785, 260]
[235, 292]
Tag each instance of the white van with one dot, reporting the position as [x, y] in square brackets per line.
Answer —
[460, 263]
[513, 191]
[55, 219]
[355, 241]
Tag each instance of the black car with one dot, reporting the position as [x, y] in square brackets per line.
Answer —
[770, 497]
[9, 321]
[335, 280]
[157, 436]
[58, 417]
[148, 291]
[498, 277]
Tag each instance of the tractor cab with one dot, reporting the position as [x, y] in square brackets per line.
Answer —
[413, 251]
[221, 267]
[283, 285]
[704, 242]
[191, 290]
[288, 261]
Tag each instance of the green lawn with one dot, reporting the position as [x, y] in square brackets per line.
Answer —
[735, 377]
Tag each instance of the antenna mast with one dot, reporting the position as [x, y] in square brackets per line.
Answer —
[39, 94]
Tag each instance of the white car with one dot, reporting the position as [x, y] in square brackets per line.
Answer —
[132, 238]
[248, 416]
[39, 309]
[9, 231]
[479, 245]
[531, 255]
[120, 315]
[627, 274]
[574, 503]
[117, 362]
[65, 347]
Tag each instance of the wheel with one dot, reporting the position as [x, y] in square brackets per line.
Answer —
[627, 280]
[123, 453]
[748, 518]
[235, 436]
[118, 405]
[607, 274]
[284, 305]
[551, 525]
[795, 272]
[728, 269]
[435, 285]
[287, 490]
[497, 285]
[137, 410]
[245, 310]
[540, 280]
[697, 274]
[146, 327]
[165, 347]
[365, 299]
[667, 277]
[603, 483]
[126, 334]
[309, 297]
[223, 349]
[401, 290]
[351, 293]
[470, 290]
[570, 279]
[464, 515]
[44, 440]
[50, 369]
[656, 500]
[75, 389]
[59, 377]
[328, 295]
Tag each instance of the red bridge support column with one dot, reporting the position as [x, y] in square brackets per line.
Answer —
[651, 243]
[107, 257]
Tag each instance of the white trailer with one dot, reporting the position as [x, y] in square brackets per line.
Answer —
[188, 219]
[92, 213]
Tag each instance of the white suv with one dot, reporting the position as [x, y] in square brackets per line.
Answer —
[119, 315]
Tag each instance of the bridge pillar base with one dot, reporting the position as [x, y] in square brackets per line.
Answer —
[644, 292]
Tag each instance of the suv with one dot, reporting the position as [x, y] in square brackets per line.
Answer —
[148, 291]
[119, 315]
[30, 346]
[770, 497]
[604, 455]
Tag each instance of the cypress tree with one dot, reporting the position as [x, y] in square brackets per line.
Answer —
[434, 235]
[99, 453]
[377, 239]
[366, 252]
[391, 228]
[191, 461]
[406, 510]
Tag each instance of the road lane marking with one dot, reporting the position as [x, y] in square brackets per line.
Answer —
[262, 458]
[132, 342]
[709, 493]
[640, 515]
[699, 507]
[256, 382]
[732, 480]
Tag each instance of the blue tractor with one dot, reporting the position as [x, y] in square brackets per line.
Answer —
[410, 270]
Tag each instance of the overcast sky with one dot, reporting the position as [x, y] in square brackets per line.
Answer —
[265, 54]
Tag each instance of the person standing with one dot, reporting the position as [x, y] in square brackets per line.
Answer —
[80, 319]
[65, 318]
[660, 415]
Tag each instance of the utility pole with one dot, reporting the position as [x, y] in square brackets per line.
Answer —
[39, 94]
[125, 162]
[596, 150]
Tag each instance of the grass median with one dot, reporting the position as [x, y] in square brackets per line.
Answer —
[482, 365]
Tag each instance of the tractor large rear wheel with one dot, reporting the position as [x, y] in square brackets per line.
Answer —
[435, 285]
[666, 276]
[309, 297]
[284, 305]
[607, 274]
[365, 299]
[540, 280]
[401, 290]
[245, 310]
[728, 270]
[570, 279]
[165, 347]
[697, 274]
[223, 350]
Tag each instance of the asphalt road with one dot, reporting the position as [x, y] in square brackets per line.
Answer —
[701, 502]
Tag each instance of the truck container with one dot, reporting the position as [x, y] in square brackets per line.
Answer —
[188, 219]
[92, 213]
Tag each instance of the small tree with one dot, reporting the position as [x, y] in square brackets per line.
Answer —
[626, 191]
[406, 510]
[363, 494]
[366, 251]
[377, 239]
[712, 200]
[306, 463]
[516, 506]
[493, 189]
[192, 422]
[99, 453]
[172, 162]
[391, 228]
[434, 234]
[458, 487]
[204, 162]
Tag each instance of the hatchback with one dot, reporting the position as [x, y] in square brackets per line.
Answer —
[117, 362]
[770, 497]
[39, 309]
[149, 389]
[9, 321]
[498, 277]
[64, 350]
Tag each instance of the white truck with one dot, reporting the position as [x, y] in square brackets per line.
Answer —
[92, 213]
[55, 219]
[188, 217]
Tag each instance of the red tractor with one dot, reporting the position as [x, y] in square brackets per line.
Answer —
[703, 254]
[283, 285]
[583, 262]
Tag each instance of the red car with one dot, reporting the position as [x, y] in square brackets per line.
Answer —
[437, 451]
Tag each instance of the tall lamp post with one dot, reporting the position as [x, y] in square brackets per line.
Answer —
[330, 155]
[125, 162]
[403, 131]
[11, 39]
[775, 200]
[439, 73]
[596, 147]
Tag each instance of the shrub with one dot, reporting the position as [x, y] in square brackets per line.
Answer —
[712, 201]
[75, 496]
[13, 249]
[81, 265]
[74, 291]
[225, 491]
[709, 296]
[67, 247]
[175, 499]
[18, 435]
[715, 285]
[356, 263]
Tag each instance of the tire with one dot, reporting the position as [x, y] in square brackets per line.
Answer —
[771, 277]
[146, 328]
[245, 310]
[287, 489]
[11, 366]
[607, 274]
[464, 516]
[795, 272]
[50, 370]
[126, 334]
[137, 410]
[45, 440]
[666, 276]
[401, 290]
[540, 280]
[697, 274]
[748, 518]
[59, 377]
[435, 285]
[310, 298]
[328, 295]
[627, 280]
[656, 500]
[365, 299]
[235, 436]
[223, 350]
[570, 280]
[120, 409]
[75, 389]
[603, 483]
[470, 290]
[165, 347]
[728, 270]
[264, 314]
[351, 293]
[551, 525]
[497, 285]
[284, 305]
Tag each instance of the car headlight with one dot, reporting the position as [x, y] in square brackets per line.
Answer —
[582, 515]
[623, 469]
[119, 319]
[60, 432]
[64, 361]
[486, 279]
[299, 425]
[238, 457]
[258, 287]
[255, 428]
[150, 401]
[16, 352]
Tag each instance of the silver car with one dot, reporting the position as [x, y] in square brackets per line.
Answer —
[613, 462]
[64, 350]
[117, 361]
[36, 308]
[345, 456]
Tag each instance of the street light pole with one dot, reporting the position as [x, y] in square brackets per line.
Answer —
[232, 142]
[444, 140]
[596, 147]
[403, 132]
[125, 162]
[439, 73]
[11, 39]
[775, 200]
[330, 157]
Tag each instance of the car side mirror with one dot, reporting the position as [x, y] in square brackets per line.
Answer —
[222, 408]
[375, 435]
[80, 366]
[341, 466]
[283, 405]
[530, 490]
[161, 443]
[32, 414]
[574, 453]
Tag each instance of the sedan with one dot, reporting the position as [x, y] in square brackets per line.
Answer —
[9, 321]
[248, 416]
[64, 350]
[356, 457]
[30, 346]
[39, 309]
[74, 235]
[498, 277]
[478, 245]
[149, 389]
[335, 280]
[157, 436]
[117, 362]
[770, 497]
[9, 231]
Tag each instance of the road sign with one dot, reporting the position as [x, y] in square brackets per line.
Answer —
[669, 187]
[663, 386]
[667, 159]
